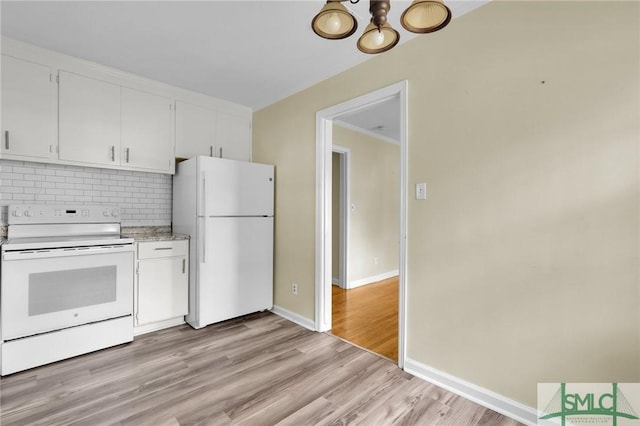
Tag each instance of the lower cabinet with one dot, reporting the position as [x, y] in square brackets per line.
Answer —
[162, 284]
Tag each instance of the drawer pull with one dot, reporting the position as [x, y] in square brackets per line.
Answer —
[163, 248]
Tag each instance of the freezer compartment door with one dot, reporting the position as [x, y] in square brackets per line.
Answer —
[234, 188]
[235, 270]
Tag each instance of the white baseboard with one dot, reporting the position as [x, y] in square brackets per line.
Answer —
[293, 317]
[472, 392]
[155, 326]
[373, 279]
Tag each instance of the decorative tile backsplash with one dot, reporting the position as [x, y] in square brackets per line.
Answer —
[144, 198]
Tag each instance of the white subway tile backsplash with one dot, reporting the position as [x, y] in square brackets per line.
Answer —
[144, 198]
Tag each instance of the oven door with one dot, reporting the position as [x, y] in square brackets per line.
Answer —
[45, 290]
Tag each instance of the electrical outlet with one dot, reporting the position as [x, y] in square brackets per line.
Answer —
[294, 289]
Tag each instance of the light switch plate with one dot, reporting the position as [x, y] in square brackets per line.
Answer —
[421, 191]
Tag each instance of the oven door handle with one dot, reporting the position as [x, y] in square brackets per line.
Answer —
[65, 252]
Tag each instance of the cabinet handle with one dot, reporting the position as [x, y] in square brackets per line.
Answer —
[6, 139]
[126, 153]
[163, 248]
[220, 152]
[211, 151]
[184, 265]
[113, 153]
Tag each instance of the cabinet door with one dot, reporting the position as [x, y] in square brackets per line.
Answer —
[162, 289]
[27, 110]
[146, 138]
[89, 120]
[195, 130]
[233, 137]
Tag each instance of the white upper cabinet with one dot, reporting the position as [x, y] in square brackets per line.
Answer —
[195, 130]
[233, 137]
[146, 134]
[28, 116]
[205, 131]
[103, 117]
[105, 124]
[89, 120]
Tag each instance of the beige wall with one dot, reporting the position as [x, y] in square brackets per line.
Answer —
[523, 263]
[374, 181]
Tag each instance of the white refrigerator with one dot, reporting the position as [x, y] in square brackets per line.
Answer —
[226, 206]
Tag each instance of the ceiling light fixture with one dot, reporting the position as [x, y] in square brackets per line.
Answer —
[334, 22]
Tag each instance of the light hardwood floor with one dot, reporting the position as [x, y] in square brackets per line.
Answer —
[256, 370]
[368, 316]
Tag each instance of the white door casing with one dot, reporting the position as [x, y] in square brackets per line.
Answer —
[324, 149]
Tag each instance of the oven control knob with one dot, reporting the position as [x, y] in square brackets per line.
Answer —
[105, 213]
[28, 213]
[17, 213]
[114, 212]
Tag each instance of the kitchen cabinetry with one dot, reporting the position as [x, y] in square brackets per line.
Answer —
[147, 124]
[204, 131]
[233, 137]
[89, 120]
[162, 284]
[105, 124]
[195, 130]
[28, 116]
[103, 117]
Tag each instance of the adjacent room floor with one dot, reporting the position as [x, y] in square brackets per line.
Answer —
[256, 370]
[368, 316]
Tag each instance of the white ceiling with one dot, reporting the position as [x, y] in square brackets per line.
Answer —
[381, 120]
[250, 52]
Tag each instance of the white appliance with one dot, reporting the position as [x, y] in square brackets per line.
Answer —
[226, 207]
[66, 284]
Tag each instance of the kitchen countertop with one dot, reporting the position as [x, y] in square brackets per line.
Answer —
[151, 233]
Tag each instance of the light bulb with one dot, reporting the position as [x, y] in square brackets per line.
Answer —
[333, 23]
[377, 39]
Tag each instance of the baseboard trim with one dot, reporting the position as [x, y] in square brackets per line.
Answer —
[293, 317]
[336, 281]
[472, 392]
[373, 279]
[155, 326]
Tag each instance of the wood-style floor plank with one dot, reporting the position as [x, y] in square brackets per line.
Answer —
[368, 316]
[257, 370]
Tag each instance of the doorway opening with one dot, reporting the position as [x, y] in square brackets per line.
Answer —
[342, 115]
[365, 218]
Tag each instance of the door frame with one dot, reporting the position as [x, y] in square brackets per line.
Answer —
[344, 212]
[324, 149]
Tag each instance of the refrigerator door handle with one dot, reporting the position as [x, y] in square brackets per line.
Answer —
[204, 240]
[206, 217]
[203, 199]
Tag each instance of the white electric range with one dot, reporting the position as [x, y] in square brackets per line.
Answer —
[66, 284]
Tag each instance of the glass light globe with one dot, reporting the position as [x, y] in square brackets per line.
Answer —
[333, 23]
[377, 39]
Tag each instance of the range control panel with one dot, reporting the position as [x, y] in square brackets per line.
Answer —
[34, 213]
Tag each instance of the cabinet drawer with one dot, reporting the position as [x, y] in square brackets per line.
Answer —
[155, 249]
